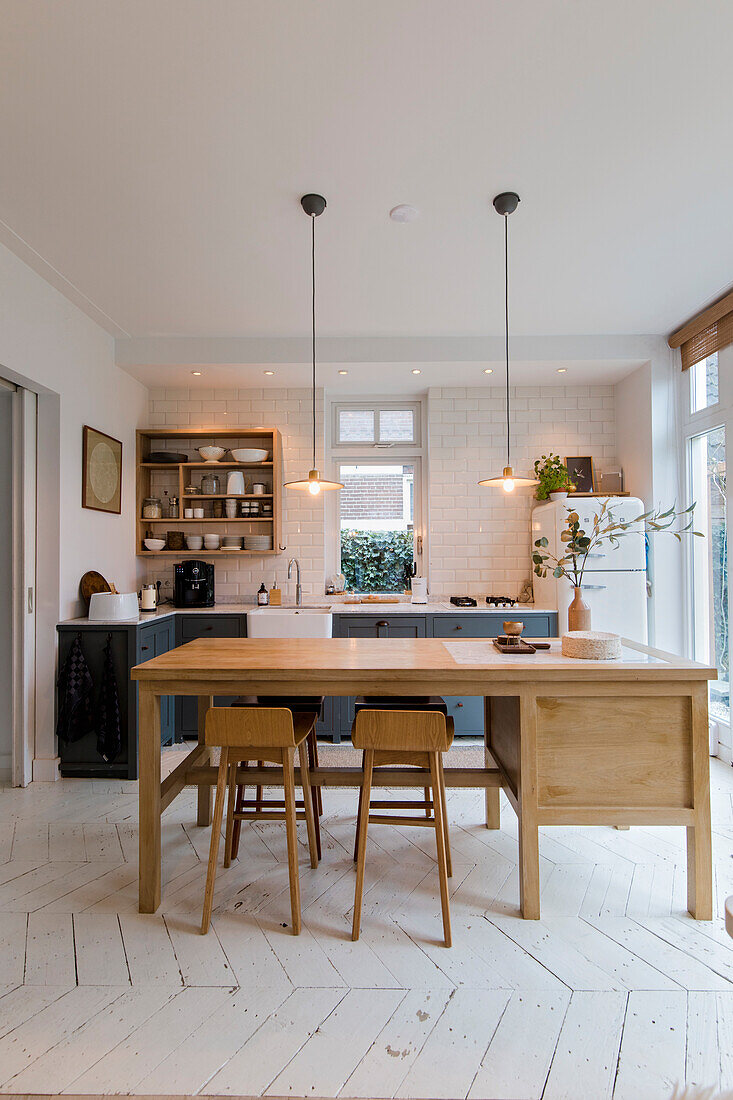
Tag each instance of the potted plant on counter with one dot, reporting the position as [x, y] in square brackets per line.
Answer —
[606, 530]
[554, 480]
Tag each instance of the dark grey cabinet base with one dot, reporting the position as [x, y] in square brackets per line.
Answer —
[131, 644]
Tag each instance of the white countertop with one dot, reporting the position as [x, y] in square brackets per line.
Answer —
[338, 607]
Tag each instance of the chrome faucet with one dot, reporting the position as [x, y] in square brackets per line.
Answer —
[298, 589]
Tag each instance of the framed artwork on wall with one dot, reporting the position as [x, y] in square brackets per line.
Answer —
[582, 474]
[101, 465]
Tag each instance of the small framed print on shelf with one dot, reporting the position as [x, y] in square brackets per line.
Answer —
[101, 465]
[582, 474]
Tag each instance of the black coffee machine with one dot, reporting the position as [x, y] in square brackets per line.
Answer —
[193, 584]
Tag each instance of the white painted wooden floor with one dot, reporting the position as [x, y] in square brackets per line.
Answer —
[615, 993]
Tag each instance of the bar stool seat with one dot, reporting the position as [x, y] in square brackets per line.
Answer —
[271, 734]
[258, 804]
[411, 738]
[398, 702]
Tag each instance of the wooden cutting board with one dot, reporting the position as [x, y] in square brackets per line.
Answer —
[92, 582]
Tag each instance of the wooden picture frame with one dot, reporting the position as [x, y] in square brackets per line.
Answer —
[101, 472]
[582, 473]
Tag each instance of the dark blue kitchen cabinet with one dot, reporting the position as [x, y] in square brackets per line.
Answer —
[131, 643]
[153, 639]
[468, 711]
[369, 626]
[189, 628]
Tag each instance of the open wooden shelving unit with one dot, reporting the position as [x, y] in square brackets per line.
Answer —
[152, 478]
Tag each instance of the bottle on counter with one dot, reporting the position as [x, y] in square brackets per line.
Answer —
[263, 596]
[276, 595]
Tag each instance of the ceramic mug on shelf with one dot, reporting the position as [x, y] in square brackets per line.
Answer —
[198, 513]
[188, 513]
[258, 490]
[230, 507]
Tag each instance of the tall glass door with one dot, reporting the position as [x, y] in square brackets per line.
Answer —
[710, 564]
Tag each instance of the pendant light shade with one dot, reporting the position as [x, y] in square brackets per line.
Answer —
[313, 205]
[505, 204]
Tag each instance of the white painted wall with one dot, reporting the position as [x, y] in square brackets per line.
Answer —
[50, 344]
[480, 537]
[51, 347]
[6, 592]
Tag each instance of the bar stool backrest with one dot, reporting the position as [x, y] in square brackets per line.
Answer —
[401, 730]
[269, 727]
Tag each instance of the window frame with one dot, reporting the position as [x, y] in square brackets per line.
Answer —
[376, 407]
[693, 384]
[695, 424]
[364, 454]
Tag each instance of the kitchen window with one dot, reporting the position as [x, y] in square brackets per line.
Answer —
[376, 519]
[377, 525]
[704, 383]
[385, 425]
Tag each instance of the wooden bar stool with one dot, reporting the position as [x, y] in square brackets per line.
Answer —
[398, 702]
[416, 739]
[269, 734]
[307, 703]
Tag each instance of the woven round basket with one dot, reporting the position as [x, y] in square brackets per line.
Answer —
[591, 645]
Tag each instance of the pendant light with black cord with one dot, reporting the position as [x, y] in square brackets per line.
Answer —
[314, 205]
[505, 204]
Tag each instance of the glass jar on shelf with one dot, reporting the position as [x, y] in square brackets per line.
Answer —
[211, 485]
[152, 508]
[173, 508]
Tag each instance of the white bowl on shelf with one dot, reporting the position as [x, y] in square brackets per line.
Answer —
[212, 542]
[194, 542]
[211, 454]
[249, 454]
[154, 544]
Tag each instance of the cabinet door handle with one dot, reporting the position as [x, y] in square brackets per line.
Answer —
[458, 626]
[210, 627]
[144, 649]
[459, 704]
[383, 622]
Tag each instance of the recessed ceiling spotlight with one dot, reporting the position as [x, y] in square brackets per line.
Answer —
[197, 373]
[562, 370]
[404, 213]
[489, 370]
[268, 372]
[343, 372]
[417, 371]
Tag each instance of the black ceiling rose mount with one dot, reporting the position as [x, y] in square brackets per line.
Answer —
[506, 203]
[314, 205]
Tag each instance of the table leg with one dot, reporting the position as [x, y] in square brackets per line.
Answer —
[529, 846]
[699, 841]
[203, 816]
[149, 800]
[492, 794]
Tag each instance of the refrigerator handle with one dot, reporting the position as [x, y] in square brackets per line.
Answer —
[592, 587]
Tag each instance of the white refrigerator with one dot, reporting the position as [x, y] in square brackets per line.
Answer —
[614, 582]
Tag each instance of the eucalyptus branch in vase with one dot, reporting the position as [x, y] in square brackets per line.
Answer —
[606, 530]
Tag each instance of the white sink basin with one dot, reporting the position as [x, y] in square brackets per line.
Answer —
[290, 622]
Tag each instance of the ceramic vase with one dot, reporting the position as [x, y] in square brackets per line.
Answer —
[578, 612]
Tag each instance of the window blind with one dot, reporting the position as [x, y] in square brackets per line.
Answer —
[708, 332]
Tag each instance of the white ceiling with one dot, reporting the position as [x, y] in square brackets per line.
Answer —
[153, 153]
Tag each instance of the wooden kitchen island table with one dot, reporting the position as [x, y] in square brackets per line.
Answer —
[574, 742]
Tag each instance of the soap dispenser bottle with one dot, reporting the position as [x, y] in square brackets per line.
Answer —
[263, 596]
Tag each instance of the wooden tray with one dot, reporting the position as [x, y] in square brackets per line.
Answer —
[514, 647]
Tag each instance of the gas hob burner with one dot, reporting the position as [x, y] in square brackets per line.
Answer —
[463, 601]
[500, 601]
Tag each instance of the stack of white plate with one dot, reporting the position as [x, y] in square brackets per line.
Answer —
[231, 542]
[258, 542]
